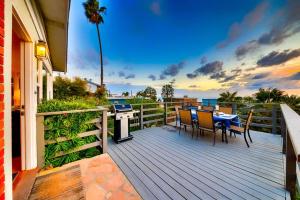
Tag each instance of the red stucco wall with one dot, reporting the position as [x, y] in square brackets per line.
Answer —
[1, 100]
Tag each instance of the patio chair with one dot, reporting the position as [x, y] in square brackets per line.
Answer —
[177, 114]
[243, 130]
[206, 123]
[226, 110]
[185, 119]
[207, 108]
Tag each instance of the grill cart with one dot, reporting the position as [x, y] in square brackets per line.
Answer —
[122, 115]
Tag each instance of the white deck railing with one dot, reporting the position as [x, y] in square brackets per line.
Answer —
[291, 147]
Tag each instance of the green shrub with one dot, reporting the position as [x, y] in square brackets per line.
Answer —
[137, 100]
[69, 126]
[65, 105]
[64, 87]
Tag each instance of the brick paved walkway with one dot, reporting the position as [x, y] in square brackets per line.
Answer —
[101, 179]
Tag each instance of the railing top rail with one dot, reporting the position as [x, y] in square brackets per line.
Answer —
[251, 103]
[137, 104]
[292, 121]
[99, 109]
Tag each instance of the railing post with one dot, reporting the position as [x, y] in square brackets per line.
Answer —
[274, 119]
[104, 131]
[291, 175]
[234, 108]
[142, 117]
[166, 113]
[40, 139]
[283, 133]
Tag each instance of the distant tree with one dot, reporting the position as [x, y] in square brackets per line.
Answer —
[263, 95]
[167, 90]
[248, 99]
[64, 87]
[94, 12]
[292, 100]
[101, 92]
[228, 97]
[277, 95]
[150, 92]
[78, 87]
[140, 94]
[269, 95]
[125, 94]
[238, 99]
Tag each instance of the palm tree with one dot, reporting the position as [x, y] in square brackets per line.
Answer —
[227, 96]
[269, 95]
[125, 94]
[292, 100]
[94, 13]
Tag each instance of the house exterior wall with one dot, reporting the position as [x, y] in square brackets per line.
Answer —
[31, 22]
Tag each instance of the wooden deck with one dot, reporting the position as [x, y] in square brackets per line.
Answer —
[164, 165]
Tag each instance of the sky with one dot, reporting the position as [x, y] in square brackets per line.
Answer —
[207, 47]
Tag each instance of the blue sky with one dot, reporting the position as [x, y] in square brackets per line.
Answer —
[206, 46]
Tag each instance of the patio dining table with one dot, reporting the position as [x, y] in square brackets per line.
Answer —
[225, 119]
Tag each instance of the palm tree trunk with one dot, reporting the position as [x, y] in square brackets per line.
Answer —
[101, 58]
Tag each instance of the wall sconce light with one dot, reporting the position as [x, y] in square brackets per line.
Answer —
[40, 49]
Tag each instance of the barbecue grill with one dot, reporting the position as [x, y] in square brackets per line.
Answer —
[123, 114]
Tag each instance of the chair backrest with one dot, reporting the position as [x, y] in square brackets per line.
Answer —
[249, 118]
[185, 117]
[205, 119]
[207, 108]
[194, 104]
[226, 110]
[177, 110]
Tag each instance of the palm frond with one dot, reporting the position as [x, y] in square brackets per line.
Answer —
[93, 12]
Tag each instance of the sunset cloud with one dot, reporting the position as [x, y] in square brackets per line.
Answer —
[203, 60]
[207, 69]
[261, 75]
[121, 74]
[126, 76]
[129, 76]
[152, 77]
[248, 22]
[295, 77]
[171, 70]
[257, 46]
[285, 24]
[277, 58]
[244, 49]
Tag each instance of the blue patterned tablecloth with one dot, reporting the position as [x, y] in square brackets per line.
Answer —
[223, 118]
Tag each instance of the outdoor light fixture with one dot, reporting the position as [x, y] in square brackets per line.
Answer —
[40, 49]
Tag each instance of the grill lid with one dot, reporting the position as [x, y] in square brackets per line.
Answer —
[122, 108]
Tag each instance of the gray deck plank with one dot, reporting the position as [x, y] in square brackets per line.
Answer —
[254, 184]
[157, 191]
[191, 183]
[171, 179]
[268, 154]
[202, 182]
[164, 165]
[132, 177]
[229, 158]
[160, 182]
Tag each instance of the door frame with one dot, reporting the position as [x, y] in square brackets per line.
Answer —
[27, 95]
